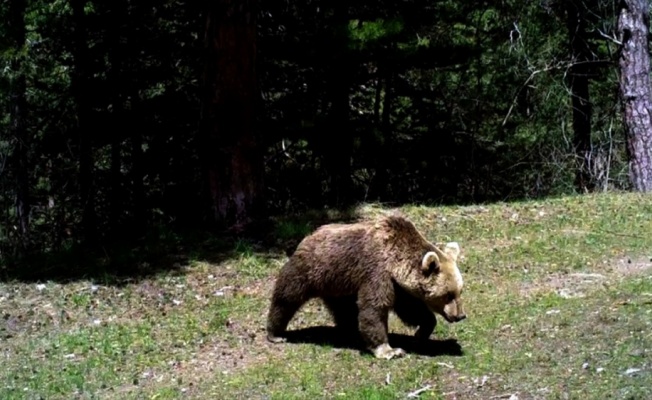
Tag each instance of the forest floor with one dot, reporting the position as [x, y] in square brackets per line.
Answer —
[558, 295]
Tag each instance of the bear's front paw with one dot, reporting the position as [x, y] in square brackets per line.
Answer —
[386, 352]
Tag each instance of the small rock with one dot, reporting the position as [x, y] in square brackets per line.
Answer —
[585, 365]
[40, 287]
[637, 353]
[599, 369]
[588, 276]
[550, 312]
[481, 381]
[568, 294]
[94, 288]
[176, 302]
[631, 371]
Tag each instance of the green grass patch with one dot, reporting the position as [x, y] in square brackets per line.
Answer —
[558, 295]
[292, 230]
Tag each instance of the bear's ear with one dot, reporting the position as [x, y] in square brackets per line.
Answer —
[430, 263]
[452, 249]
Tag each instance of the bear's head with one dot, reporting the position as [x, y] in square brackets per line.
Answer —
[441, 282]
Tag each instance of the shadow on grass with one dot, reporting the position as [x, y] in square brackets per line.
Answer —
[331, 336]
[167, 251]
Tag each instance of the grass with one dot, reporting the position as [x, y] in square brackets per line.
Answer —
[558, 295]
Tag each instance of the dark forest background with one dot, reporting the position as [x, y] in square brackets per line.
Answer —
[124, 119]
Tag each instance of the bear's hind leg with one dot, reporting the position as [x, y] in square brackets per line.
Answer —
[286, 301]
[280, 314]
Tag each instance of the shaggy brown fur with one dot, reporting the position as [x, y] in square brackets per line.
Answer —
[362, 271]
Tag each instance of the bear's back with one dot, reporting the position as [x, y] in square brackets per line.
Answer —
[337, 259]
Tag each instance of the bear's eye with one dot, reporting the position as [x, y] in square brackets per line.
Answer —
[450, 297]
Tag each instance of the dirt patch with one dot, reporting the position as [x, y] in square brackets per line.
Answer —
[260, 288]
[239, 344]
[565, 285]
[244, 346]
[628, 266]
[579, 284]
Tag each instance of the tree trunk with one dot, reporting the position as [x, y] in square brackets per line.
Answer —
[337, 143]
[338, 140]
[137, 174]
[79, 86]
[18, 130]
[635, 91]
[380, 183]
[579, 87]
[115, 76]
[378, 96]
[230, 151]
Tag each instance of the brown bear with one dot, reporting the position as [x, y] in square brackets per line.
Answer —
[362, 271]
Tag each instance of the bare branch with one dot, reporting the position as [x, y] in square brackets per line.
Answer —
[417, 392]
[610, 38]
[527, 81]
